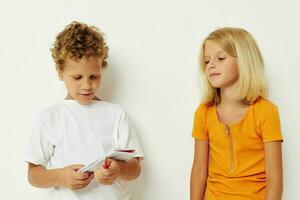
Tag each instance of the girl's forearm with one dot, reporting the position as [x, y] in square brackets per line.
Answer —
[274, 188]
[197, 185]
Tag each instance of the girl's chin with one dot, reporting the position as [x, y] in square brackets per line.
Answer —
[215, 85]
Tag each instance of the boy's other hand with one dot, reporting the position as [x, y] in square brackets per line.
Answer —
[108, 172]
[70, 178]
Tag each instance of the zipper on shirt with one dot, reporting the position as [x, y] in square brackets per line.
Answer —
[231, 148]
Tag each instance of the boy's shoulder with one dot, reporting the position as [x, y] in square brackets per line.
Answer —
[61, 106]
[110, 105]
[57, 111]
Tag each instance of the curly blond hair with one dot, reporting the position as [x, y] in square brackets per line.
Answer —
[79, 40]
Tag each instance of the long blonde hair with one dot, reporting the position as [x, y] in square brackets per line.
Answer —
[238, 43]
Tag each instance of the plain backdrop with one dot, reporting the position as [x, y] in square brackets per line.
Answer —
[153, 73]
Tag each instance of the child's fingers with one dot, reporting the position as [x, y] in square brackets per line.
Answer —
[81, 176]
[107, 172]
[107, 163]
[86, 181]
[105, 181]
[114, 167]
[90, 178]
[80, 186]
[76, 167]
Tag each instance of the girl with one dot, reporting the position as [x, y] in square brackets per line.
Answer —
[236, 128]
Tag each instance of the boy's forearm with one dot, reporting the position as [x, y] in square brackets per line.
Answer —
[40, 177]
[130, 170]
[274, 189]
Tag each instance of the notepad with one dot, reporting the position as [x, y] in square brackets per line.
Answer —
[116, 154]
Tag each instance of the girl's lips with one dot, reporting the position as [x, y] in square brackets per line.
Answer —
[214, 74]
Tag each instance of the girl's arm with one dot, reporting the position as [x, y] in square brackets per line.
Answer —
[273, 165]
[68, 177]
[199, 170]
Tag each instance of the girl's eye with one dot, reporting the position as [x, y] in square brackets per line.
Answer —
[221, 58]
[77, 77]
[206, 62]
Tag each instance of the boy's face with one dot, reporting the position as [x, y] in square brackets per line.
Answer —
[82, 78]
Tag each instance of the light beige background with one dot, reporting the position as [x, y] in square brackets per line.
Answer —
[153, 74]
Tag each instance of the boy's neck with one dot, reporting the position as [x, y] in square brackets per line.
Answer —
[68, 97]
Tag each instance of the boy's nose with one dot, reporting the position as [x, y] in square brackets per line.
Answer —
[86, 85]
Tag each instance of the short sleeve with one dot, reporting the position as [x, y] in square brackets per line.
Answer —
[126, 136]
[199, 128]
[39, 149]
[270, 129]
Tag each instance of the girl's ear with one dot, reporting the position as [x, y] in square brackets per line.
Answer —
[59, 73]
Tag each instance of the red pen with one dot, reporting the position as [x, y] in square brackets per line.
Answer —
[105, 164]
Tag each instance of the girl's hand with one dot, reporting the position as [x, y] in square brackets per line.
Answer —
[108, 172]
[70, 178]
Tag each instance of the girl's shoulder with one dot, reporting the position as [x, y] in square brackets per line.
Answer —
[264, 109]
[203, 107]
[262, 104]
[205, 110]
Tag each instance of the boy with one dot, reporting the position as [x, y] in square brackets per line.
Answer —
[80, 128]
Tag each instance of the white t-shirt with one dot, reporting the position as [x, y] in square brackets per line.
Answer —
[71, 133]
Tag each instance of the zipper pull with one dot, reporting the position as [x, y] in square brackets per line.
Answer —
[227, 129]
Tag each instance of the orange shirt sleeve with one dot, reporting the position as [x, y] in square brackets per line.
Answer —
[270, 129]
[199, 129]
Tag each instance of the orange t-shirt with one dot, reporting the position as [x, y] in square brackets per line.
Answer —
[236, 161]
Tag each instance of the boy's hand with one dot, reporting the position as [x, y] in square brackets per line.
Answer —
[108, 172]
[70, 178]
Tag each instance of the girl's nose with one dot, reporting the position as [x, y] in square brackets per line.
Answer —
[211, 64]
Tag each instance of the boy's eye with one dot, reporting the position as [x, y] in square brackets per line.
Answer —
[94, 77]
[206, 61]
[221, 58]
[77, 77]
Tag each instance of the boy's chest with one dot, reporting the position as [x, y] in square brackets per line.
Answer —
[82, 142]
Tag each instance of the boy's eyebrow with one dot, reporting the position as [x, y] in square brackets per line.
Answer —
[218, 52]
[96, 74]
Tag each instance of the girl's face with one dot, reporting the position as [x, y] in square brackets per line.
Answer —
[82, 78]
[220, 68]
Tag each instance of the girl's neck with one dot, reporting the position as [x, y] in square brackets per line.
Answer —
[228, 97]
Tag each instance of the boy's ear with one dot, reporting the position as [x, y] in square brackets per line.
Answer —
[59, 73]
